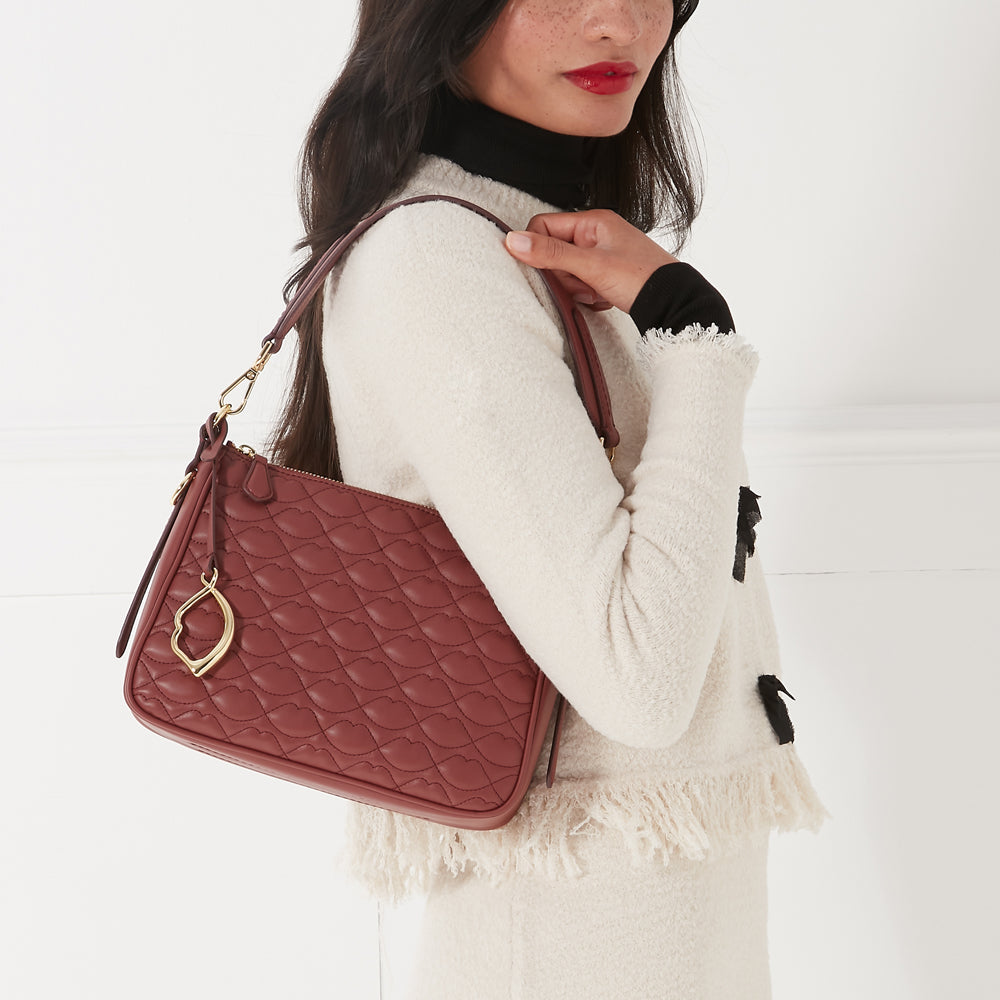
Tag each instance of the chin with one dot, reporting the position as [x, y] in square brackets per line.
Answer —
[584, 122]
[598, 120]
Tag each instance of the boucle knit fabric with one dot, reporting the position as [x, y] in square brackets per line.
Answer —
[449, 387]
[693, 930]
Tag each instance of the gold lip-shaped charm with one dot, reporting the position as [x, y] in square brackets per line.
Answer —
[202, 666]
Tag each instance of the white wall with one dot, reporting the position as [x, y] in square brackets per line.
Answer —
[852, 213]
[147, 195]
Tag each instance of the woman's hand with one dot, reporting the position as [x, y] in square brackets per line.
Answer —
[600, 259]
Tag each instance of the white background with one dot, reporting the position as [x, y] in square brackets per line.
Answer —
[148, 214]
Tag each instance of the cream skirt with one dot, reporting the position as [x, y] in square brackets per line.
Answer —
[688, 930]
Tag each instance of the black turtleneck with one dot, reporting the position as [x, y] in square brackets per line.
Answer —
[559, 169]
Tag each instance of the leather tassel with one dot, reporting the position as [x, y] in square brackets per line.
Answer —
[216, 435]
[747, 518]
[777, 712]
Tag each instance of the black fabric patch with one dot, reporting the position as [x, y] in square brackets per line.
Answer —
[777, 712]
[747, 519]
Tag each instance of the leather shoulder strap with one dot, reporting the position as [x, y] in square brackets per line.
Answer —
[589, 374]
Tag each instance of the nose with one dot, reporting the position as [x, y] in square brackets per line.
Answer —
[619, 21]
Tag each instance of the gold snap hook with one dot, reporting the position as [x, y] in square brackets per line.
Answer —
[205, 663]
[249, 376]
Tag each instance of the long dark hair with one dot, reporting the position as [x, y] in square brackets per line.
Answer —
[364, 141]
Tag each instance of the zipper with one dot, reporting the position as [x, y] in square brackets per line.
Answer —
[247, 453]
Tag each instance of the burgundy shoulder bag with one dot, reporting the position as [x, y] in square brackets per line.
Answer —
[336, 637]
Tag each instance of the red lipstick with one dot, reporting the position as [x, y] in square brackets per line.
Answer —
[604, 77]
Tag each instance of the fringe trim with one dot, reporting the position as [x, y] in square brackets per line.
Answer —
[694, 816]
[659, 343]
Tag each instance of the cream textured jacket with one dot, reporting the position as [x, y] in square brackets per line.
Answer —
[450, 387]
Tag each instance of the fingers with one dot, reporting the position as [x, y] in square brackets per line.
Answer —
[607, 259]
[579, 228]
[571, 266]
[538, 250]
[580, 291]
[583, 271]
[576, 288]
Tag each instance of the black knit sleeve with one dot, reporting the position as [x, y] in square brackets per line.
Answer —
[675, 296]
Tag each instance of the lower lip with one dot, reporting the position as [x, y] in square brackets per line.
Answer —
[601, 83]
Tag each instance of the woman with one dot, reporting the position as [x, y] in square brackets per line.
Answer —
[635, 587]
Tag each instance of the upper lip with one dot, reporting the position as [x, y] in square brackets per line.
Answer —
[606, 69]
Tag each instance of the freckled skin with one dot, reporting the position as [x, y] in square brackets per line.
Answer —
[519, 68]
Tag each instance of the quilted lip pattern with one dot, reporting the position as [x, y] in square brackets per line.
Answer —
[369, 659]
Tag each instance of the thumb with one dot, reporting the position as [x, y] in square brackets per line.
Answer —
[543, 251]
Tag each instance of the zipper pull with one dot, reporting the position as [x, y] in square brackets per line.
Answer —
[257, 484]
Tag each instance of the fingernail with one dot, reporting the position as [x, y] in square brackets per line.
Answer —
[521, 242]
[585, 299]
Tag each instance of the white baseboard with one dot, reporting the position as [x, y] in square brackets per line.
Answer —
[875, 434]
[843, 435]
[856, 490]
